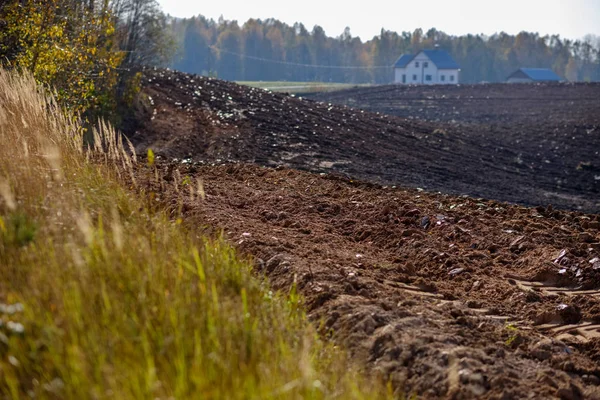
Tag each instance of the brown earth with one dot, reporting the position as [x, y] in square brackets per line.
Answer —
[449, 297]
[526, 144]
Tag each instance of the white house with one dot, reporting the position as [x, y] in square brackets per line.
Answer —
[428, 67]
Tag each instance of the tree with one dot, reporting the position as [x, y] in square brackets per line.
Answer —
[571, 70]
[229, 45]
[277, 48]
[256, 48]
[66, 44]
[141, 27]
[143, 39]
[196, 55]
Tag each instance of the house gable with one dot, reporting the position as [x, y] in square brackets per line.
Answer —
[426, 67]
[519, 74]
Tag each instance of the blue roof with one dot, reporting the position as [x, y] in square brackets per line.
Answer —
[404, 60]
[541, 74]
[440, 58]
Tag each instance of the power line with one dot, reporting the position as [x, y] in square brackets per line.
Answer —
[296, 64]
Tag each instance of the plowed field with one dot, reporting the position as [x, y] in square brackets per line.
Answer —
[448, 296]
[526, 144]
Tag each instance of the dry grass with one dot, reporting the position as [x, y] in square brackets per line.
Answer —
[100, 298]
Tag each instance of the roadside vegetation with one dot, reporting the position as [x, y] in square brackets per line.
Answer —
[101, 294]
[101, 298]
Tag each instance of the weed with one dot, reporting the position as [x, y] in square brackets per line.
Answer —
[17, 229]
[150, 157]
[514, 335]
[186, 181]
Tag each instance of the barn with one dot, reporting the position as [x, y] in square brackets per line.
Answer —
[428, 67]
[530, 75]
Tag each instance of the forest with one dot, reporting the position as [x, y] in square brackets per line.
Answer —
[271, 50]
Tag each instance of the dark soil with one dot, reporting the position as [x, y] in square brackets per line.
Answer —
[447, 296]
[552, 130]
[528, 144]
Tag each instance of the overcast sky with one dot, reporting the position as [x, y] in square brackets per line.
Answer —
[569, 18]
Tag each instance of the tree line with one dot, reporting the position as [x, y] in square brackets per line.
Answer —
[87, 50]
[271, 50]
[90, 50]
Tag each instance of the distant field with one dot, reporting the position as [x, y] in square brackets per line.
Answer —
[301, 87]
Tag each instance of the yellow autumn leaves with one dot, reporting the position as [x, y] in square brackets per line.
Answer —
[65, 46]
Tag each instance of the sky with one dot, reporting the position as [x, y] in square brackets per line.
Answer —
[571, 19]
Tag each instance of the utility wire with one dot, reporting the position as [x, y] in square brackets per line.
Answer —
[295, 64]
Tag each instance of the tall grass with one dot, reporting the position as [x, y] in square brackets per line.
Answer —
[101, 299]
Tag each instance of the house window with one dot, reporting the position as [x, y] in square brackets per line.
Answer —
[417, 64]
[428, 78]
[414, 77]
[451, 78]
[403, 78]
[425, 64]
[443, 78]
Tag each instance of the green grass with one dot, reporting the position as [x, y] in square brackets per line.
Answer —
[301, 87]
[102, 298]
